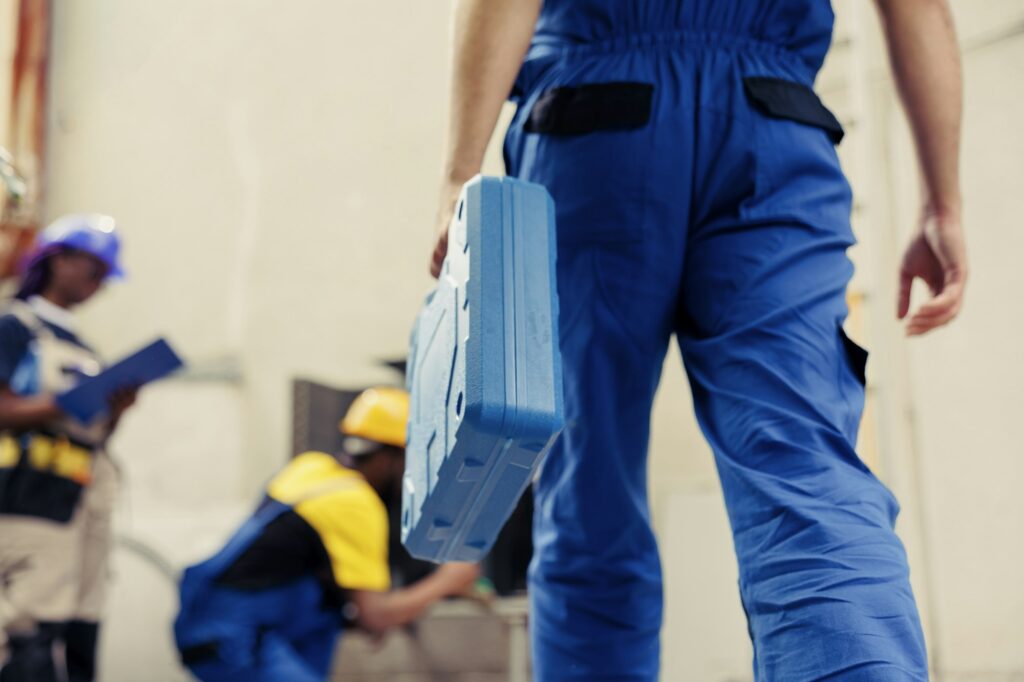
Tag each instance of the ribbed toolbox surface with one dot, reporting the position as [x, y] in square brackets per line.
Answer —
[485, 373]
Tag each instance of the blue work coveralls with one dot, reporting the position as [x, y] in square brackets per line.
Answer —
[699, 194]
[227, 634]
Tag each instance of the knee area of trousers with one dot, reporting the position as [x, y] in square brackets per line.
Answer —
[856, 567]
[612, 611]
[852, 592]
[788, 519]
[581, 652]
[842, 649]
[596, 584]
[785, 567]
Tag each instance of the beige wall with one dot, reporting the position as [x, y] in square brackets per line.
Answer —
[274, 173]
[967, 384]
[8, 27]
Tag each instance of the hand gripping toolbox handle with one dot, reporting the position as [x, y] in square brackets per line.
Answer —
[484, 372]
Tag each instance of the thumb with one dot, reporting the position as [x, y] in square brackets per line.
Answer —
[903, 298]
[440, 251]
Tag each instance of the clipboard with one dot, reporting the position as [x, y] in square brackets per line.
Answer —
[88, 400]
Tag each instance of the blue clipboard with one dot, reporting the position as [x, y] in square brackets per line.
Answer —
[88, 400]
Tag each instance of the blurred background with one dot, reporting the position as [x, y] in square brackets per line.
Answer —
[274, 167]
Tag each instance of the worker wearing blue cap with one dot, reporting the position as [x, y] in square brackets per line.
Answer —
[57, 483]
[698, 194]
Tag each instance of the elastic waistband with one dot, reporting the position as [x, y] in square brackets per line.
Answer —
[547, 46]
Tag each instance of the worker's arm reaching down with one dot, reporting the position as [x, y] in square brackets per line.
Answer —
[490, 39]
[926, 64]
[381, 611]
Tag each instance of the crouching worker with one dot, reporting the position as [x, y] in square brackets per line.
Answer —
[313, 557]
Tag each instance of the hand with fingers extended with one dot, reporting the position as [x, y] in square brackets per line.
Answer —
[938, 256]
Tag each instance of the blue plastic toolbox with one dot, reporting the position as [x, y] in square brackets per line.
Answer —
[484, 372]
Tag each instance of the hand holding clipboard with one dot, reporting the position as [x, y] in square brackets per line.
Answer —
[91, 397]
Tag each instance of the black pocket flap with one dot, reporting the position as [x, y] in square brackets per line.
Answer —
[856, 356]
[582, 109]
[199, 653]
[793, 101]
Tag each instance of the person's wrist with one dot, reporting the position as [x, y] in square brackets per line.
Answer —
[945, 208]
[53, 410]
[446, 586]
[449, 194]
[457, 175]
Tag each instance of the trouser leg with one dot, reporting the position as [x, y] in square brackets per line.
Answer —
[621, 200]
[316, 648]
[95, 539]
[595, 582]
[778, 391]
[80, 645]
[38, 586]
[278, 659]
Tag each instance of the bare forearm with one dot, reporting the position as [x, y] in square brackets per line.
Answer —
[926, 64]
[380, 611]
[384, 611]
[18, 412]
[490, 40]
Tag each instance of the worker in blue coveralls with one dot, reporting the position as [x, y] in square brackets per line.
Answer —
[698, 193]
[57, 482]
[270, 605]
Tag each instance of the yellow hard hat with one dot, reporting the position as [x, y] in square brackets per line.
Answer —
[379, 415]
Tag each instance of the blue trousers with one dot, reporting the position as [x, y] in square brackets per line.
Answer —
[720, 219]
[278, 633]
[253, 642]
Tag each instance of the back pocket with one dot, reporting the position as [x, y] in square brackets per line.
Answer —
[590, 144]
[582, 109]
[780, 98]
[799, 178]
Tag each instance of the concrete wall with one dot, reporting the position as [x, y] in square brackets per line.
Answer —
[274, 170]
